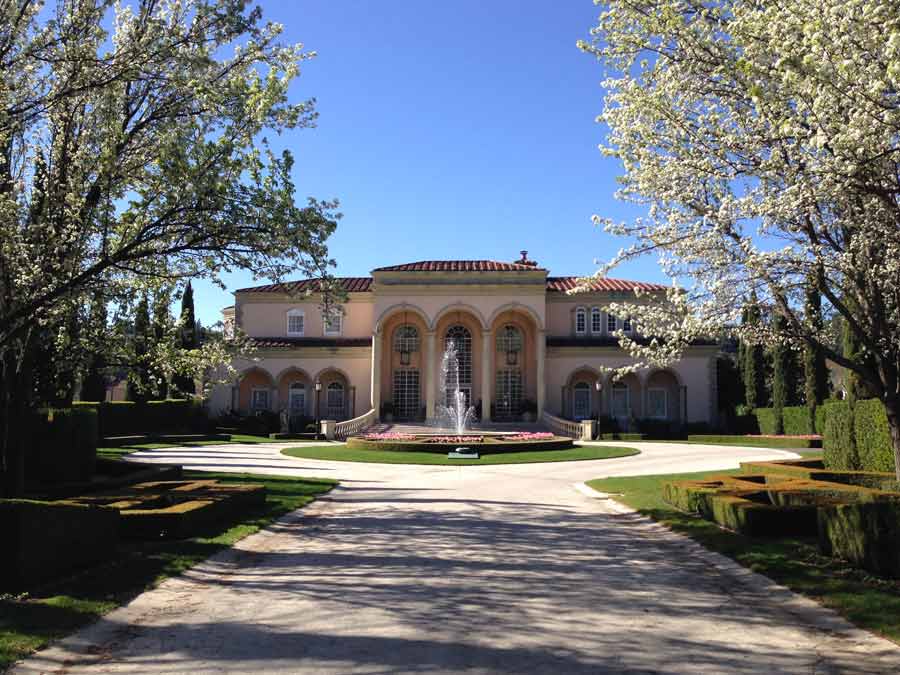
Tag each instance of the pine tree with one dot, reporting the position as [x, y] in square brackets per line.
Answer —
[188, 337]
[815, 371]
[781, 357]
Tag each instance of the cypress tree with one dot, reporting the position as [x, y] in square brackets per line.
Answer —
[753, 368]
[161, 318]
[187, 337]
[139, 378]
[815, 371]
[93, 386]
[780, 374]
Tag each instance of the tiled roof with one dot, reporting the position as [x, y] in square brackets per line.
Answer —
[289, 343]
[563, 284]
[460, 266]
[349, 284]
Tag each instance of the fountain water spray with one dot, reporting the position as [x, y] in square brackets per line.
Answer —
[453, 409]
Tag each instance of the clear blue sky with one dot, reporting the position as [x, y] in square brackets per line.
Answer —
[451, 130]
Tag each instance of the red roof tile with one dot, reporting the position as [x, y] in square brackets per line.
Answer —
[460, 266]
[563, 284]
[349, 284]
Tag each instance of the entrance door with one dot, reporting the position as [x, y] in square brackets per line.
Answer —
[621, 403]
[581, 403]
[509, 394]
[406, 394]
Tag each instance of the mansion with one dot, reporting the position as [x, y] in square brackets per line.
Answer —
[525, 346]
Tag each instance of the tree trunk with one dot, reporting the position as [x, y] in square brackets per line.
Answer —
[892, 409]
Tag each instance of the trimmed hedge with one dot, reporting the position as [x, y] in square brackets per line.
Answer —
[622, 437]
[63, 446]
[44, 539]
[490, 446]
[765, 418]
[837, 440]
[795, 418]
[757, 441]
[118, 418]
[873, 437]
[866, 534]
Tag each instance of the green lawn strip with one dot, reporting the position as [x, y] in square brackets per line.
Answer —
[869, 602]
[343, 454]
[30, 621]
[235, 439]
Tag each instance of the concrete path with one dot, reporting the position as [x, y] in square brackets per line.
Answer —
[468, 569]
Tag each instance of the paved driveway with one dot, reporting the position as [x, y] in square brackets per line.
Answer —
[474, 569]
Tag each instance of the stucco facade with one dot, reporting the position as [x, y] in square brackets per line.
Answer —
[526, 345]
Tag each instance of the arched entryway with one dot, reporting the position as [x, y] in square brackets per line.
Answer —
[513, 365]
[256, 391]
[404, 373]
[336, 396]
[663, 396]
[295, 394]
[464, 331]
[581, 395]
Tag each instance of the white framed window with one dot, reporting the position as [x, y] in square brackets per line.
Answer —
[333, 321]
[259, 399]
[580, 321]
[295, 323]
[610, 323]
[297, 398]
[657, 403]
[626, 325]
[596, 321]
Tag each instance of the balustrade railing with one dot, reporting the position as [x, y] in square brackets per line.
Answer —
[347, 428]
[563, 427]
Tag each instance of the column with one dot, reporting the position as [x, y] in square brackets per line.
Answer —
[430, 375]
[376, 374]
[487, 369]
[540, 354]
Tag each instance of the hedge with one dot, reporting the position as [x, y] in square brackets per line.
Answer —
[756, 441]
[795, 418]
[837, 440]
[490, 446]
[622, 437]
[63, 446]
[866, 534]
[765, 418]
[873, 437]
[119, 418]
[44, 539]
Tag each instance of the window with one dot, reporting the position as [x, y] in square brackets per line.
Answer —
[626, 325]
[596, 323]
[509, 393]
[259, 399]
[297, 398]
[621, 403]
[406, 393]
[295, 322]
[580, 321]
[610, 323]
[335, 400]
[509, 343]
[332, 320]
[406, 341]
[657, 404]
[581, 401]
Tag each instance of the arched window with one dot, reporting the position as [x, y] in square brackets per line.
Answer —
[297, 398]
[581, 401]
[335, 400]
[295, 323]
[509, 343]
[596, 321]
[406, 342]
[580, 321]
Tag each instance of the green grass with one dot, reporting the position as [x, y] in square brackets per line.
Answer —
[29, 621]
[869, 602]
[344, 454]
[113, 453]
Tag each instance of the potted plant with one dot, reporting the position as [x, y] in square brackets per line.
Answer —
[387, 411]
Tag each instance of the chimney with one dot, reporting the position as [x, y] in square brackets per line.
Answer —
[525, 261]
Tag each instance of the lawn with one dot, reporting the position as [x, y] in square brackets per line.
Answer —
[113, 453]
[867, 601]
[29, 621]
[344, 454]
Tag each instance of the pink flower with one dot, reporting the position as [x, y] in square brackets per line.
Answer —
[530, 436]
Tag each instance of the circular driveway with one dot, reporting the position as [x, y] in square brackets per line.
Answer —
[505, 568]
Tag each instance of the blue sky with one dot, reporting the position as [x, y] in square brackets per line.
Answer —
[451, 130]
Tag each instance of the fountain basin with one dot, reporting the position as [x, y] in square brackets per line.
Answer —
[485, 443]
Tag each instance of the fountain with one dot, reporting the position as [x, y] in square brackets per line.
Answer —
[454, 409]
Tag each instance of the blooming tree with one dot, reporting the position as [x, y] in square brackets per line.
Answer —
[763, 138]
[132, 155]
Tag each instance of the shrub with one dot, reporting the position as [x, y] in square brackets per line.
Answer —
[866, 534]
[765, 419]
[757, 441]
[43, 539]
[796, 421]
[838, 438]
[873, 436]
[663, 429]
[607, 424]
[615, 436]
[63, 446]
[746, 424]
[120, 418]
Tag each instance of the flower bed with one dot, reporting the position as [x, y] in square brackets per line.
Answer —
[529, 436]
[485, 444]
[454, 440]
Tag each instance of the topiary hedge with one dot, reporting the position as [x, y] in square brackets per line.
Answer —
[873, 437]
[866, 534]
[120, 418]
[795, 418]
[63, 446]
[44, 539]
[837, 441]
[765, 419]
